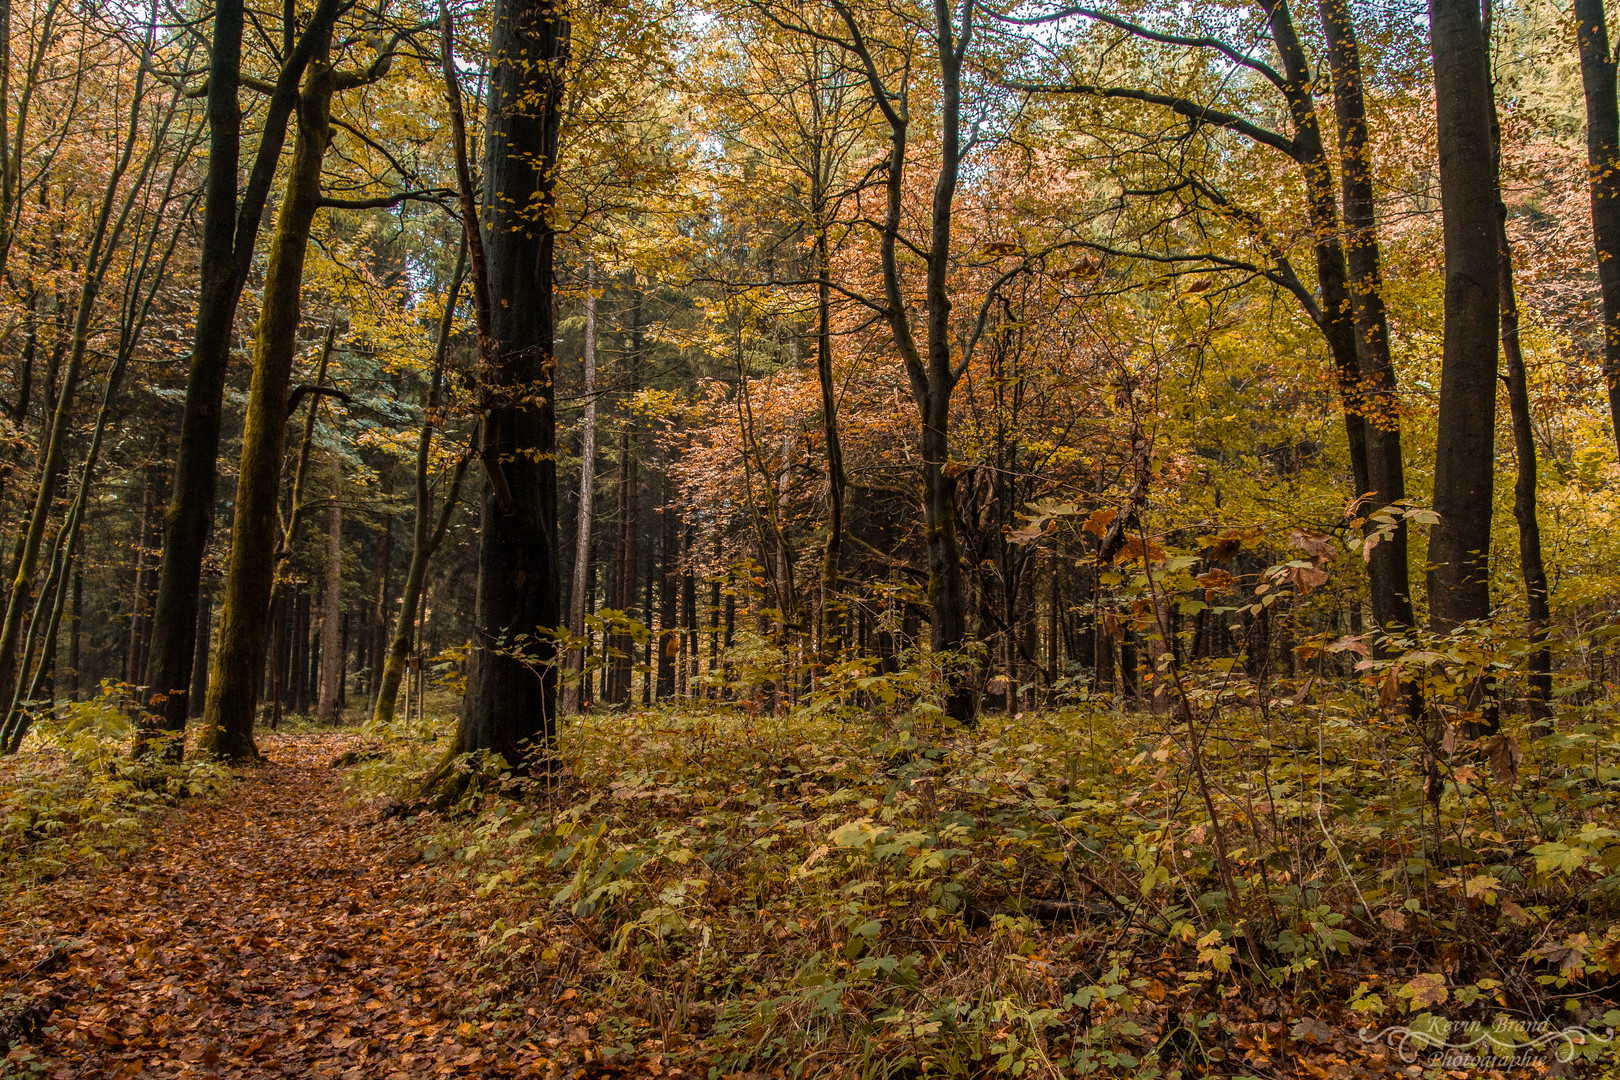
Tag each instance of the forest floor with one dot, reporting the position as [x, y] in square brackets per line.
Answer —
[277, 929]
[700, 892]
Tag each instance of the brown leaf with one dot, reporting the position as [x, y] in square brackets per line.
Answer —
[1505, 756]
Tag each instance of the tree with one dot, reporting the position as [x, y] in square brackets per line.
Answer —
[1464, 471]
[230, 233]
[510, 704]
[238, 663]
[1603, 175]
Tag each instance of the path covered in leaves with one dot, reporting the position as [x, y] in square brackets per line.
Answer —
[279, 931]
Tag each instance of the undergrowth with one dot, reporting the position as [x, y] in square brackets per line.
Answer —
[72, 793]
[838, 892]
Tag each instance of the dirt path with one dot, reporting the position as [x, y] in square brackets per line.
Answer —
[279, 931]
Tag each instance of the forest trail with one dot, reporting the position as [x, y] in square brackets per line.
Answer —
[280, 930]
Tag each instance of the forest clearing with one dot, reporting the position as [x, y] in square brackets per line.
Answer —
[799, 538]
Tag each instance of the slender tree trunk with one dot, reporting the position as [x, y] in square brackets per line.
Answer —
[621, 644]
[714, 624]
[134, 661]
[199, 659]
[587, 495]
[299, 701]
[378, 651]
[510, 707]
[1532, 569]
[1603, 165]
[239, 660]
[75, 668]
[831, 620]
[648, 573]
[53, 455]
[426, 537]
[332, 607]
[343, 663]
[669, 639]
[689, 611]
[1387, 571]
[1336, 320]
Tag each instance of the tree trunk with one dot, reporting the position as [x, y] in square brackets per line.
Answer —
[832, 612]
[1531, 567]
[75, 686]
[1459, 543]
[332, 608]
[510, 707]
[239, 659]
[587, 496]
[1603, 171]
[303, 624]
[1387, 570]
[620, 646]
[669, 639]
[230, 232]
[199, 660]
[377, 651]
[134, 660]
[1336, 320]
[425, 539]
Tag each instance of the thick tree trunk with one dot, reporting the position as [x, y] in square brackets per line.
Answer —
[1603, 170]
[230, 232]
[587, 497]
[510, 707]
[238, 662]
[332, 608]
[1459, 543]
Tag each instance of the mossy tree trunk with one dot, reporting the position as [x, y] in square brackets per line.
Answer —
[238, 662]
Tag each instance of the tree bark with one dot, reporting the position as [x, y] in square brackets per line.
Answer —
[426, 537]
[1532, 568]
[587, 496]
[510, 707]
[199, 660]
[238, 662]
[230, 232]
[1387, 568]
[933, 375]
[669, 639]
[1603, 171]
[1459, 543]
[377, 651]
[620, 644]
[332, 606]
[832, 612]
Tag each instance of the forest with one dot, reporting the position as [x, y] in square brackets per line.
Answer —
[809, 538]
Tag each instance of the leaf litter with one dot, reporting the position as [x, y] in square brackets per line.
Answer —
[277, 931]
